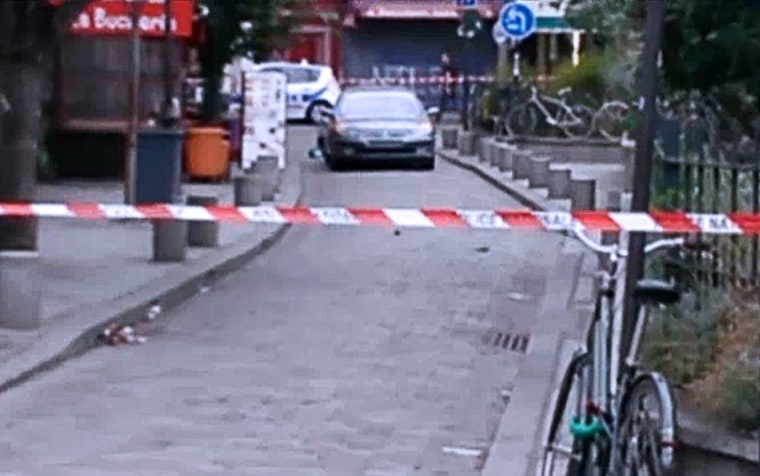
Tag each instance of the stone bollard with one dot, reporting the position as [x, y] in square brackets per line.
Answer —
[20, 290]
[521, 165]
[169, 241]
[466, 143]
[247, 190]
[538, 175]
[583, 194]
[266, 168]
[506, 157]
[202, 234]
[494, 147]
[629, 159]
[484, 149]
[558, 183]
[450, 137]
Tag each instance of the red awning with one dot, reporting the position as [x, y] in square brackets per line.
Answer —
[417, 9]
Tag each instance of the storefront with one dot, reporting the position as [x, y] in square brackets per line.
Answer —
[90, 106]
[383, 37]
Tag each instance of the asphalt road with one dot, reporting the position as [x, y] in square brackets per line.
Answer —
[341, 351]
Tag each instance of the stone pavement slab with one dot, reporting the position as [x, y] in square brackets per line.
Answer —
[95, 270]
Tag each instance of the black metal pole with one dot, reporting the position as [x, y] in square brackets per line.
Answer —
[167, 60]
[135, 71]
[642, 173]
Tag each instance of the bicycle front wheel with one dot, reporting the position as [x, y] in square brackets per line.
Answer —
[522, 120]
[647, 429]
[565, 453]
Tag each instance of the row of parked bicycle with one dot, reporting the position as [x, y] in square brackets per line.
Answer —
[538, 113]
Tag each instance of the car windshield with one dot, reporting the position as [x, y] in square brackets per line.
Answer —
[379, 106]
[296, 75]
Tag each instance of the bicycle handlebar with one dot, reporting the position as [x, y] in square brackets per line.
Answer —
[614, 250]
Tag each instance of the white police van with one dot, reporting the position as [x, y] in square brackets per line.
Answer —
[311, 88]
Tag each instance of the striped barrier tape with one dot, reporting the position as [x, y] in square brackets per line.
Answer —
[411, 81]
[739, 223]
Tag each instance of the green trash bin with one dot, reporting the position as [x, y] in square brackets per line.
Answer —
[159, 165]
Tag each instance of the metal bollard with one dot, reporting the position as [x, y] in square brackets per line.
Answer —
[506, 157]
[484, 150]
[521, 165]
[247, 190]
[169, 241]
[20, 290]
[538, 173]
[558, 183]
[466, 143]
[266, 168]
[494, 146]
[202, 234]
[450, 137]
[583, 194]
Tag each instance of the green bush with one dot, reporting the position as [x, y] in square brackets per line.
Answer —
[740, 402]
[712, 354]
[587, 80]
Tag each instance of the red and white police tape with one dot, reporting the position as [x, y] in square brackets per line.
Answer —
[416, 80]
[739, 223]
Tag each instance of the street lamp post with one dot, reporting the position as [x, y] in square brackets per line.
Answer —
[642, 173]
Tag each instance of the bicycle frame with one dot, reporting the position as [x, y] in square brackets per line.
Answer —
[606, 402]
[538, 100]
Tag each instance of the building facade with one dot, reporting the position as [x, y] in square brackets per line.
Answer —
[318, 39]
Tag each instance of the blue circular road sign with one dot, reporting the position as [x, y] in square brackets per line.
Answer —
[518, 20]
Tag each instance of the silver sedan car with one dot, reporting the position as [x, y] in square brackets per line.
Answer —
[378, 124]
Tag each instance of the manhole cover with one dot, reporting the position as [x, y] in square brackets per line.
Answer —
[507, 341]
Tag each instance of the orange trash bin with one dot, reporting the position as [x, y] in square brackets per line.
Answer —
[206, 153]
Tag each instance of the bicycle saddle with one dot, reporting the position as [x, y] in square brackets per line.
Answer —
[652, 291]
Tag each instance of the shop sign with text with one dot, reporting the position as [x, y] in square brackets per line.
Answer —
[113, 17]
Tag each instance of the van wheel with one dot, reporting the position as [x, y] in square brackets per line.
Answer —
[314, 112]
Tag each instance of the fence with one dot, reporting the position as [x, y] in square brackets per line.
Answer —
[704, 170]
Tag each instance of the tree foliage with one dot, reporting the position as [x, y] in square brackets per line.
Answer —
[271, 21]
[711, 43]
[708, 44]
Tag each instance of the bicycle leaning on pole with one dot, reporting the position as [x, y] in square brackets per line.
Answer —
[611, 428]
[575, 120]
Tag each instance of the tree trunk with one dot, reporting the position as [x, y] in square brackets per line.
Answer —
[21, 83]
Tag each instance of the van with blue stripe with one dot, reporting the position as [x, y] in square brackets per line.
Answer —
[311, 88]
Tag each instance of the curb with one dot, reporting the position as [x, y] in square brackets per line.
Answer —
[168, 290]
[496, 182]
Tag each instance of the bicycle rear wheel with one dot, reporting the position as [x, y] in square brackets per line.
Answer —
[647, 429]
[574, 452]
[610, 118]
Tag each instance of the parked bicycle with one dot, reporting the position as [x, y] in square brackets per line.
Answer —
[618, 425]
[610, 119]
[574, 120]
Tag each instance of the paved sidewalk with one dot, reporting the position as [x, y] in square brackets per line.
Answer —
[97, 270]
[559, 328]
[517, 447]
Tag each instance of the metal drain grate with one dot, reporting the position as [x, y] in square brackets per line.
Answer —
[507, 341]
